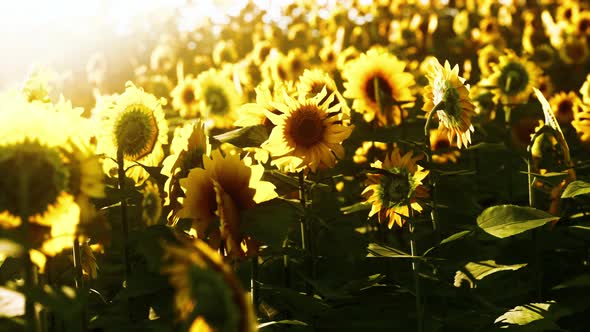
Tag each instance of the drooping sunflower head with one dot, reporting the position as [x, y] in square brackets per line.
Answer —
[306, 133]
[447, 94]
[565, 106]
[223, 188]
[134, 124]
[218, 98]
[513, 78]
[208, 296]
[395, 189]
[376, 81]
[184, 98]
[189, 144]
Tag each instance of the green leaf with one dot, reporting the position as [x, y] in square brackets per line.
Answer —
[480, 270]
[532, 317]
[271, 221]
[357, 207]
[456, 236]
[576, 188]
[252, 136]
[579, 281]
[508, 220]
[377, 250]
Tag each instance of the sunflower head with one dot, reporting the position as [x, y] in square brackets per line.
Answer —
[513, 78]
[312, 82]
[218, 98]
[392, 191]
[220, 190]
[225, 52]
[376, 82]
[449, 97]
[582, 125]
[574, 50]
[42, 177]
[585, 90]
[208, 294]
[565, 106]
[134, 124]
[184, 98]
[369, 151]
[307, 134]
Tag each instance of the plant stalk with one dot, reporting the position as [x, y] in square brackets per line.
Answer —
[124, 221]
[79, 277]
[415, 270]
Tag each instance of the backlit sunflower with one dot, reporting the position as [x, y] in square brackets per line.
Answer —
[307, 134]
[218, 98]
[447, 92]
[399, 185]
[224, 52]
[184, 97]
[223, 188]
[513, 78]
[376, 81]
[208, 296]
[348, 54]
[565, 106]
[133, 123]
[57, 169]
[189, 144]
[312, 82]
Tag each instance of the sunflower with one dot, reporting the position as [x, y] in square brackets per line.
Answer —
[189, 144]
[583, 23]
[261, 51]
[565, 106]
[398, 186]
[312, 82]
[450, 96]
[582, 125]
[218, 98]
[461, 22]
[56, 171]
[440, 145]
[574, 50]
[306, 133]
[329, 56]
[513, 78]
[348, 54]
[376, 81]
[223, 188]
[151, 204]
[486, 57]
[134, 124]
[208, 295]
[184, 97]
[224, 52]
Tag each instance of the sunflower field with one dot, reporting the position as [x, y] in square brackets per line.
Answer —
[304, 165]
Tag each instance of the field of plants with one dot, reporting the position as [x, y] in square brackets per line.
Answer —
[336, 165]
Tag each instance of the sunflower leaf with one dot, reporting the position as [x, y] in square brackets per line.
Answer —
[507, 220]
[576, 188]
[271, 221]
[252, 136]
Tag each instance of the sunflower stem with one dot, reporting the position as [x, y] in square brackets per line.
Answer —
[535, 233]
[31, 317]
[415, 269]
[304, 227]
[431, 179]
[79, 277]
[254, 283]
[125, 223]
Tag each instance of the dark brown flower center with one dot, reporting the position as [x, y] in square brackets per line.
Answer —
[306, 127]
[382, 85]
[565, 107]
[441, 143]
[188, 96]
